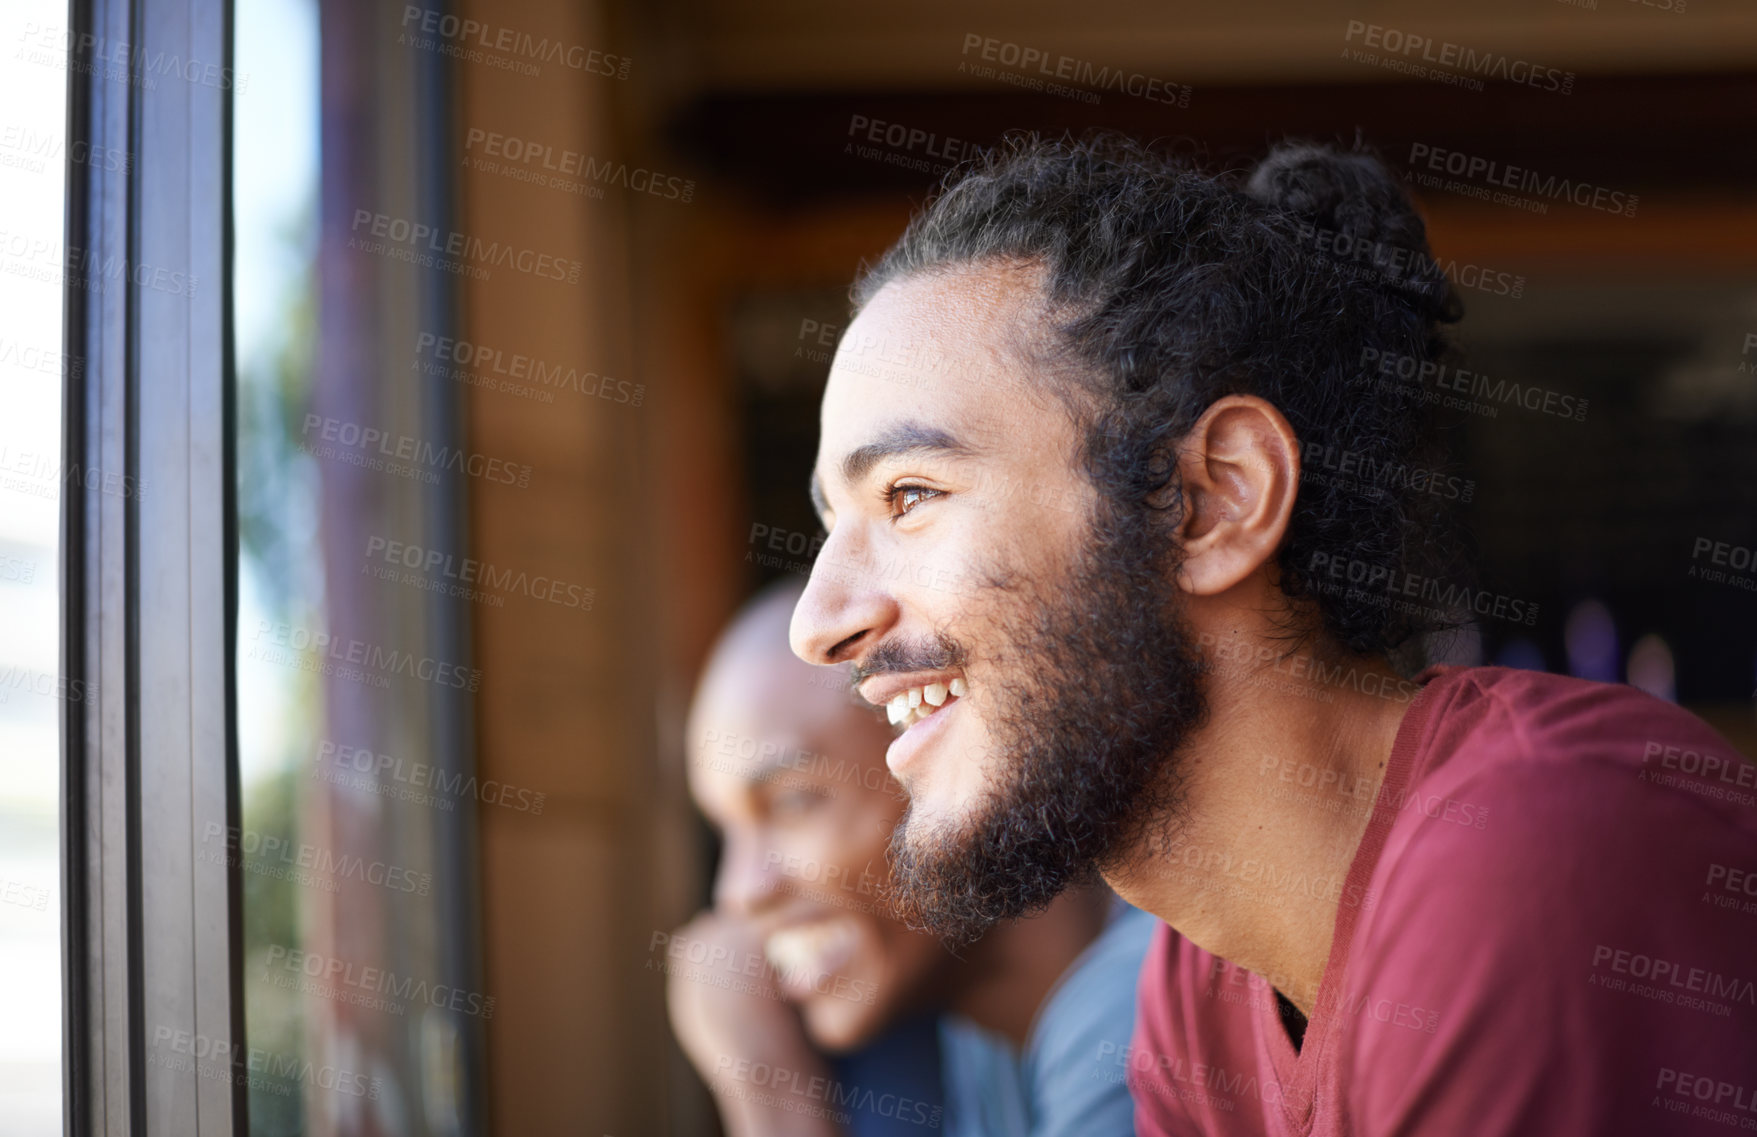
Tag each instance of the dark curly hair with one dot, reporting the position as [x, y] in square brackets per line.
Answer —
[1168, 288]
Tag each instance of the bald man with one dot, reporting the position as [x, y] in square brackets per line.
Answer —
[822, 1014]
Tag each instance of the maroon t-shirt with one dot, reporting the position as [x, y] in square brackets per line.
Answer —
[1549, 930]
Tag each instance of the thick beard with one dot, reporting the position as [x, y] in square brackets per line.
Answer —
[1108, 688]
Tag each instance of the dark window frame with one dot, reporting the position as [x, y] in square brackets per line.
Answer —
[151, 926]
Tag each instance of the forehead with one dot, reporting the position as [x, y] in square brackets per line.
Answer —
[951, 345]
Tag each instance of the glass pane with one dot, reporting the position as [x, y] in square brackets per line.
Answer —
[359, 988]
[33, 131]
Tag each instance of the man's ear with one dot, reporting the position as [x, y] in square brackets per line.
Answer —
[1239, 471]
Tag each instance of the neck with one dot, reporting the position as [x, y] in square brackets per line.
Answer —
[1013, 967]
[1278, 786]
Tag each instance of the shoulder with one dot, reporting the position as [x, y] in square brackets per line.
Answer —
[1106, 972]
[1083, 1029]
[1553, 768]
[1094, 1000]
[1537, 716]
[1533, 868]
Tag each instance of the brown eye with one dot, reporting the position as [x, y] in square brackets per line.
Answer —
[795, 802]
[905, 498]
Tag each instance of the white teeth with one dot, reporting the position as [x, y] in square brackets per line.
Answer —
[907, 708]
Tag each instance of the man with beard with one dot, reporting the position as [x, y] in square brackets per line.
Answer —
[823, 1015]
[1089, 544]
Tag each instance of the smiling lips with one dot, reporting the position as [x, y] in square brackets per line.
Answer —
[909, 707]
[803, 954]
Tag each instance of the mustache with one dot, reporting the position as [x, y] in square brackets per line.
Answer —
[940, 653]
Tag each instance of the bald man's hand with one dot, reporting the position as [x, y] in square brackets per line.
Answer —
[730, 1018]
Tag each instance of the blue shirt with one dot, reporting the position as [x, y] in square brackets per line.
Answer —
[1049, 1090]
[891, 1087]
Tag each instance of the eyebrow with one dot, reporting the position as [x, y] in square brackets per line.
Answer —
[904, 438]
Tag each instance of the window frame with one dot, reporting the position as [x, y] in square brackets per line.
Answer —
[151, 917]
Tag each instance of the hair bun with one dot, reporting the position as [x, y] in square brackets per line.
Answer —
[1362, 208]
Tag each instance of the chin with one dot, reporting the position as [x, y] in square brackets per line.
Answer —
[952, 787]
[938, 810]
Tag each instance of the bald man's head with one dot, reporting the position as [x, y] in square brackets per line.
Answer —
[790, 768]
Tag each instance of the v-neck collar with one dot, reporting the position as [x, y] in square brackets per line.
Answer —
[1299, 1070]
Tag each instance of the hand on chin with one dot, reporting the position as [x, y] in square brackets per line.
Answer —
[728, 1015]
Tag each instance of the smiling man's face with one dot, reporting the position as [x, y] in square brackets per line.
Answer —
[967, 552]
[942, 481]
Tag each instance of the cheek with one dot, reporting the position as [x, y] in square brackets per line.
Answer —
[893, 963]
[859, 830]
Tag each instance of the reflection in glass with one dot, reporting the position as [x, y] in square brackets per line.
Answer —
[361, 1005]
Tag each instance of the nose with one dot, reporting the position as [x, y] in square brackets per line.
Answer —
[749, 868]
[842, 611]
